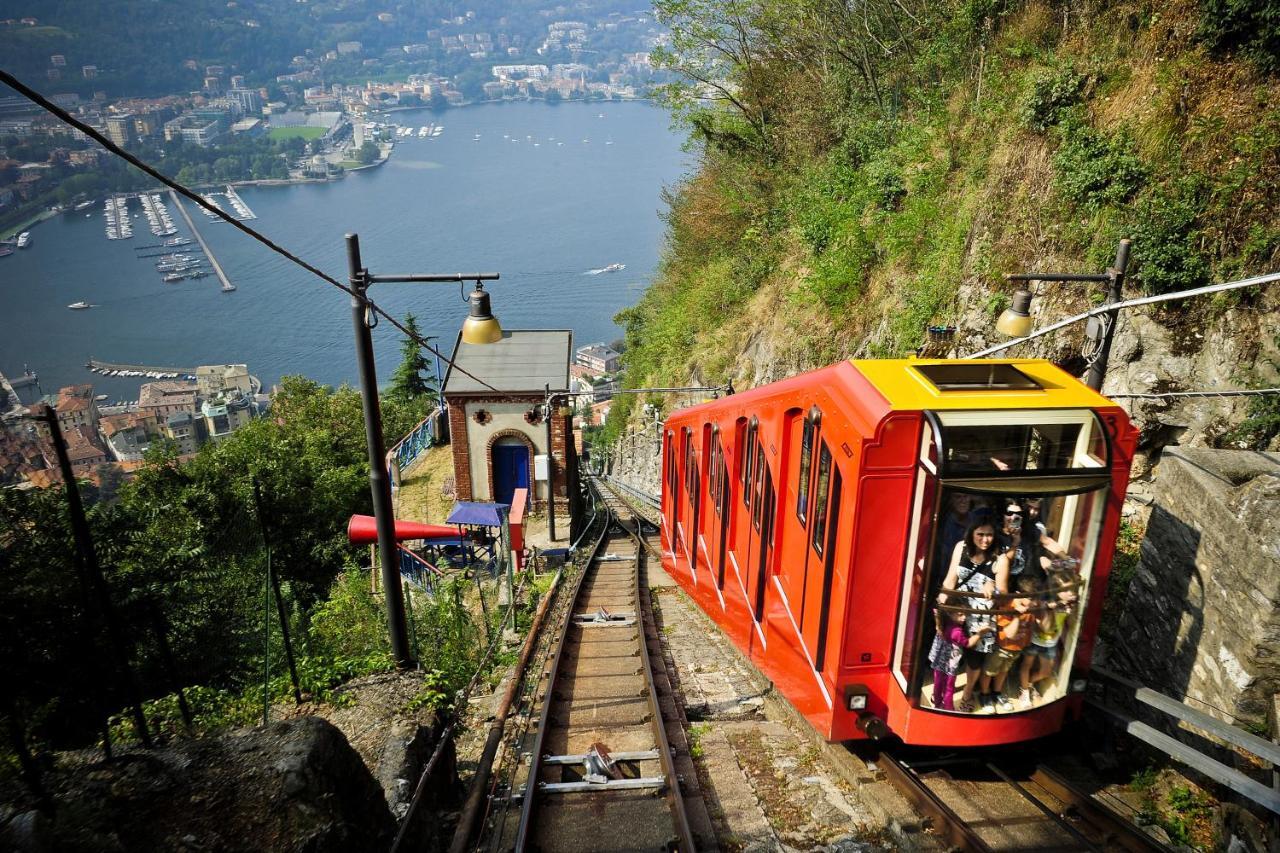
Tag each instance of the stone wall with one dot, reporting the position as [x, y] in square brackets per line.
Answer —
[637, 460]
[1202, 616]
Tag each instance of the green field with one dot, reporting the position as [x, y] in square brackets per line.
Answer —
[278, 133]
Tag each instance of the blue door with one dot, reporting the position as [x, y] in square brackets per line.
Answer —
[510, 471]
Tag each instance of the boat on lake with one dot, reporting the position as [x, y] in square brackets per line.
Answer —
[227, 287]
[79, 306]
[24, 239]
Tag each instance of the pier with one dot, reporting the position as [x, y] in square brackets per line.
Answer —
[104, 366]
[208, 253]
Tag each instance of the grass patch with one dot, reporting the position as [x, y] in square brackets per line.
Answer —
[278, 134]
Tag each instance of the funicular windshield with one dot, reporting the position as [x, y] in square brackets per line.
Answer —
[1008, 506]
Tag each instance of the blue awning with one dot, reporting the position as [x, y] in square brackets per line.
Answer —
[481, 514]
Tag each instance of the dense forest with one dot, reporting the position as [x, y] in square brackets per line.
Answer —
[869, 169]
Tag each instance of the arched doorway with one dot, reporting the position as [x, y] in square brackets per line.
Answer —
[509, 457]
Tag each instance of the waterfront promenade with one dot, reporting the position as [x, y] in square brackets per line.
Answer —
[208, 253]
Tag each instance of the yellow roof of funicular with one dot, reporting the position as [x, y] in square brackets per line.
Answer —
[950, 384]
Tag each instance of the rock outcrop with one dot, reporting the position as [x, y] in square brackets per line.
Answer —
[1202, 616]
[290, 786]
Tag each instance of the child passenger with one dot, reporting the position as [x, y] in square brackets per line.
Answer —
[947, 655]
[1041, 656]
[1012, 636]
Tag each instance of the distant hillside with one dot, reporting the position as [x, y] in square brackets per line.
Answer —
[867, 173]
[145, 47]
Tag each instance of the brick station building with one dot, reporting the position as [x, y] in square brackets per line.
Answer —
[498, 436]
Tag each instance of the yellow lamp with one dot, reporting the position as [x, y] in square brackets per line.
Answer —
[481, 327]
[1016, 319]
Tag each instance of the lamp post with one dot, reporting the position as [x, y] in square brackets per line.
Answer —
[1015, 322]
[480, 327]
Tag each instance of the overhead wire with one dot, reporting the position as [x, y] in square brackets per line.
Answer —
[1113, 308]
[89, 131]
[1226, 392]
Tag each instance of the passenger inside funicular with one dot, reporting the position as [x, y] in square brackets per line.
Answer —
[1007, 573]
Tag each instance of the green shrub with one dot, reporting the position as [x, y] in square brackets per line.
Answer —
[1167, 240]
[1051, 92]
[1249, 26]
[1095, 170]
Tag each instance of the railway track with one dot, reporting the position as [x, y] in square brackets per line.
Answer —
[608, 765]
[977, 806]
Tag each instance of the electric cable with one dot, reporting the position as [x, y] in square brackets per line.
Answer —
[68, 119]
[1226, 392]
[1113, 308]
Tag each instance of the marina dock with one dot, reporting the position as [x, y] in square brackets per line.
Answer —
[145, 369]
[208, 253]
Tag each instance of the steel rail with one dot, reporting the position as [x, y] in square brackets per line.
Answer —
[674, 796]
[953, 829]
[946, 822]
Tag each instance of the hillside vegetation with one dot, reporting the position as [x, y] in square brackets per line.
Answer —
[869, 169]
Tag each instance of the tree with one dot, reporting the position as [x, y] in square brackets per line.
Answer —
[367, 153]
[409, 384]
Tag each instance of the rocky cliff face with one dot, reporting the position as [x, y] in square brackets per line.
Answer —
[1202, 616]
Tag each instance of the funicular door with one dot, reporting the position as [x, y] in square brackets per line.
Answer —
[763, 502]
[920, 547]
[673, 493]
[693, 486]
[794, 520]
[744, 540]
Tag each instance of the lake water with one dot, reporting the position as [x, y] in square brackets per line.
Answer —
[545, 194]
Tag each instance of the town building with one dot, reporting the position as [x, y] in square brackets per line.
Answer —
[158, 400]
[76, 407]
[84, 449]
[224, 415]
[186, 431]
[128, 435]
[121, 129]
[501, 439]
[598, 357]
[200, 127]
[249, 101]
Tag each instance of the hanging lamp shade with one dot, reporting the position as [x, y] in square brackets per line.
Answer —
[1016, 319]
[481, 327]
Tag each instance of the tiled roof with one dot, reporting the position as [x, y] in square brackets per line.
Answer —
[74, 398]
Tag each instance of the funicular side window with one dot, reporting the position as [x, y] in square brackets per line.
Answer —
[1007, 510]
[758, 486]
[806, 465]
[820, 499]
[748, 453]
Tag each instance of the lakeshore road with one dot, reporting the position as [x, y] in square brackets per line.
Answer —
[195, 232]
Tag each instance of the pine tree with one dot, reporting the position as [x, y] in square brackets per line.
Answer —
[413, 379]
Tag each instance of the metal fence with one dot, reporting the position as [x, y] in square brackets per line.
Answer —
[417, 571]
[406, 450]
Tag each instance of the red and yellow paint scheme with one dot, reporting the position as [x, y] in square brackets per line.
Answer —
[806, 518]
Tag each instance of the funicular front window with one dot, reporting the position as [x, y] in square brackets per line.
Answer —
[1000, 558]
